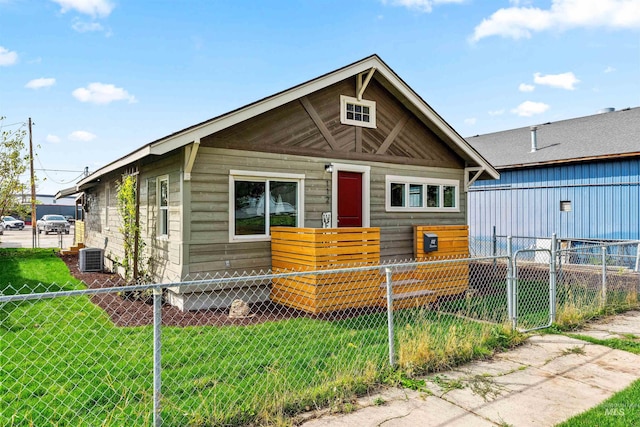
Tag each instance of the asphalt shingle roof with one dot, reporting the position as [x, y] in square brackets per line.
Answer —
[601, 135]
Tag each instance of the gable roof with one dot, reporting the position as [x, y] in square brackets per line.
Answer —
[599, 136]
[385, 75]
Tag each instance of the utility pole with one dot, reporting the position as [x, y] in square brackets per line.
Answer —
[33, 189]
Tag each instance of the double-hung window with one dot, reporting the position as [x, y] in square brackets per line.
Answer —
[261, 200]
[413, 194]
[163, 206]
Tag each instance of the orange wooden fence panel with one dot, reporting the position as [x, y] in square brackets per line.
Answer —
[312, 249]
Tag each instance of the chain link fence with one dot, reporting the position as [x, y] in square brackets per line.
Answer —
[270, 346]
[619, 253]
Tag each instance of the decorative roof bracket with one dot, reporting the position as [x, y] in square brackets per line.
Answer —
[476, 171]
[360, 86]
[190, 155]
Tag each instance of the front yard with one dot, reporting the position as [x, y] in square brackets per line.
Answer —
[63, 362]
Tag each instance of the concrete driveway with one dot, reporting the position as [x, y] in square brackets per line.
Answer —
[24, 239]
[541, 383]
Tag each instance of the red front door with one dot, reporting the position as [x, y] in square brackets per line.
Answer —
[349, 199]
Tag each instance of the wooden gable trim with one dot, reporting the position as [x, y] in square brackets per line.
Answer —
[360, 86]
[393, 134]
[395, 84]
[358, 139]
[319, 123]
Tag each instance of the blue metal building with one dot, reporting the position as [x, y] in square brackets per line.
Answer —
[578, 178]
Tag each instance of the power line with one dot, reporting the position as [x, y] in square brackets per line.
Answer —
[53, 170]
[57, 170]
[12, 124]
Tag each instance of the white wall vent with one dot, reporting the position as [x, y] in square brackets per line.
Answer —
[90, 259]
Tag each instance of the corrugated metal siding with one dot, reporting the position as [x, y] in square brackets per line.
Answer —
[604, 197]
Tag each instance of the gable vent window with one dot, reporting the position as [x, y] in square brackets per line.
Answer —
[357, 112]
[565, 206]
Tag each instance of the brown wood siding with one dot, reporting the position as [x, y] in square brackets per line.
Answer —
[161, 256]
[290, 129]
[103, 221]
[210, 249]
[396, 228]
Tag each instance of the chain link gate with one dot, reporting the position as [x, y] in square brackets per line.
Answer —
[532, 289]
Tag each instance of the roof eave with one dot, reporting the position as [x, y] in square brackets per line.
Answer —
[572, 160]
[201, 130]
[65, 192]
[89, 181]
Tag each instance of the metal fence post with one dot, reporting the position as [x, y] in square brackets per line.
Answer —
[510, 284]
[604, 276]
[552, 278]
[637, 258]
[494, 249]
[494, 243]
[392, 351]
[157, 369]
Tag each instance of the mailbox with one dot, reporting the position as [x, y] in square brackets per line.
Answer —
[430, 242]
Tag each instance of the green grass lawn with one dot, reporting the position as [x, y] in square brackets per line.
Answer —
[62, 361]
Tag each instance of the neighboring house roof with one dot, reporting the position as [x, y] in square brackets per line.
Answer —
[385, 75]
[600, 136]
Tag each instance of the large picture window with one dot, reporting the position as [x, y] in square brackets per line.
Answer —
[412, 194]
[259, 201]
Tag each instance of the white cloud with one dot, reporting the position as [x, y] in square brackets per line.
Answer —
[93, 8]
[100, 93]
[521, 22]
[609, 69]
[7, 57]
[40, 83]
[530, 108]
[420, 5]
[52, 139]
[470, 121]
[82, 136]
[496, 112]
[526, 88]
[562, 81]
[86, 27]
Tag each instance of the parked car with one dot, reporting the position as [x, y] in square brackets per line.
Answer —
[70, 219]
[1, 228]
[11, 222]
[53, 223]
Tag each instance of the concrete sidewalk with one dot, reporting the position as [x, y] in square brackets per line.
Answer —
[541, 383]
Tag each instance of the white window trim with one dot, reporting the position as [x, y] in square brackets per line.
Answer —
[363, 102]
[159, 233]
[107, 204]
[407, 180]
[366, 190]
[149, 220]
[266, 176]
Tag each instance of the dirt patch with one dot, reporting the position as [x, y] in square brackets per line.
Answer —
[128, 312]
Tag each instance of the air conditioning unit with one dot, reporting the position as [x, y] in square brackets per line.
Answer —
[90, 259]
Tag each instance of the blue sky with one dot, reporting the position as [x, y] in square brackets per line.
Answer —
[101, 78]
